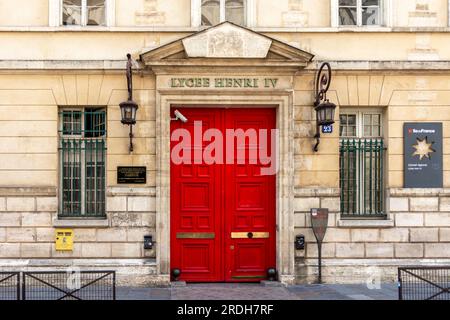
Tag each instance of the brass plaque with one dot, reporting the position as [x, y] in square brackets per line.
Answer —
[131, 175]
[196, 235]
[253, 235]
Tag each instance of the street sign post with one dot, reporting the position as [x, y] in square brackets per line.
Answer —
[319, 223]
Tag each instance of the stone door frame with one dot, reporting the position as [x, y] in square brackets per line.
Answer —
[283, 100]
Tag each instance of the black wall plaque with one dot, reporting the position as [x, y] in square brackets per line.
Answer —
[132, 175]
[423, 155]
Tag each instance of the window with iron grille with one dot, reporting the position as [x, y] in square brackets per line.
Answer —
[82, 150]
[359, 12]
[361, 164]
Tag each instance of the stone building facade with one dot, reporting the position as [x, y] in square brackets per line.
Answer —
[390, 62]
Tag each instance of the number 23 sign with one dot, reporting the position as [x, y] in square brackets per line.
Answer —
[327, 129]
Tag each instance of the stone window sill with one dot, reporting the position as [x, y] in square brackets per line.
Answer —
[80, 223]
[366, 223]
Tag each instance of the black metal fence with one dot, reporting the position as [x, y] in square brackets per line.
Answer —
[84, 285]
[59, 285]
[424, 283]
[9, 286]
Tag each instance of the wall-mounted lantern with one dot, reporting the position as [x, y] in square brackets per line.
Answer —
[128, 109]
[324, 108]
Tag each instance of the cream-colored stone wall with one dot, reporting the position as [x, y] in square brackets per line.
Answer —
[418, 219]
[342, 46]
[29, 132]
[269, 14]
[403, 98]
[293, 13]
[421, 13]
[29, 171]
[127, 13]
[417, 229]
[86, 69]
[34, 13]
[28, 220]
[417, 225]
[169, 13]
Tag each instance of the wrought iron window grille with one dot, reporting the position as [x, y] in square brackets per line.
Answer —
[82, 152]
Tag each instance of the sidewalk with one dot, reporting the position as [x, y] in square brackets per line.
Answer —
[259, 292]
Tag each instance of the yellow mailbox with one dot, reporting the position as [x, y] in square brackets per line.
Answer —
[64, 240]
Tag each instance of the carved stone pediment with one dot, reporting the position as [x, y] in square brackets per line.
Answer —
[227, 41]
[227, 45]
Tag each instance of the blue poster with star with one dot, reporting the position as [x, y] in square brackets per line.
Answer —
[423, 155]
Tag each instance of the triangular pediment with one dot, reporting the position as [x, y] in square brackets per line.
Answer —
[229, 45]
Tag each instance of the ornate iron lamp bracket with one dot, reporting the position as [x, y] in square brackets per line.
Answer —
[322, 84]
[129, 107]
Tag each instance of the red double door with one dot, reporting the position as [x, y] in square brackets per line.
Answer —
[222, 213]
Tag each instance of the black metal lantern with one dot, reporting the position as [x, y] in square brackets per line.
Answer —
[324, 108]
[128, 109]
[325, 113]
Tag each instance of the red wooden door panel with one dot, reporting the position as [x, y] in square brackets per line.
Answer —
[250, 205]
[223, 215]
[196, 207]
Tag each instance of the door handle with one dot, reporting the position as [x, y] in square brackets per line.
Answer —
[250, 235]
[196, 235]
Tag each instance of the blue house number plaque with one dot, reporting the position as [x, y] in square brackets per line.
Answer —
[327, 129]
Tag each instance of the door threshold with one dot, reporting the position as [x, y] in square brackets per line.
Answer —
[268, 283]
[178, 284]
[264, 283]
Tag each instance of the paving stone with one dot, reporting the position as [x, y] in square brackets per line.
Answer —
[271, 284]
[255, 292]
[360, 297]
[178, 284]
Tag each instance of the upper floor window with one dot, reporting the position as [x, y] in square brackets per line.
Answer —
[359, 12]
[84, 12]
[216, 11]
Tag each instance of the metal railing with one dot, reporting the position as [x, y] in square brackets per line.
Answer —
[83, 285]
[424, 283]
[9, 286]
[361, 168]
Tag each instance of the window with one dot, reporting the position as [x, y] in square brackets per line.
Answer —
[216, 11]
[359, 12]
[361, 164]
[82, 150]
[84, 12]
